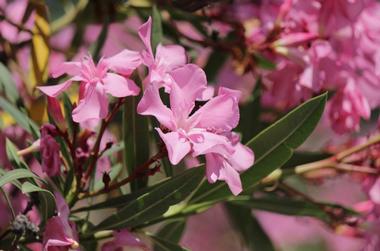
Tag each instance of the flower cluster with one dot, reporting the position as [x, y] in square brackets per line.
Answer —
[316, 46]
[185, 129]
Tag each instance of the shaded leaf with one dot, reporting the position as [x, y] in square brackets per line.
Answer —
[295, 207]
[156, 28]
[164, 245]
[249, 227]
[155, 203]
[7, 85]
[136, 137]
[20, 117]
[171, 232]
[13, 175]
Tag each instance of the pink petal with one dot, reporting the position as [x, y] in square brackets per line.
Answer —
[213, 165]
[93, 106]
[177, 145]
[55, 90]
[374, 193]
[206, 142]
[171, 56]
[232, 178]
[221, 112]
[191, 79]
[145, 32]
[124, 62]
[181, 103]
[70, 68]
[217, 168]
[119, 86]
[151, 104]
[243, 158]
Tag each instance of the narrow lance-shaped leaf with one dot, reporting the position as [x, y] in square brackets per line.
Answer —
[164, 245]
[156, 28]
[272, 148]
[136, 138]
[249, 227]
[171, 232]
[295, 207]
[7, 85]
[21, 118]
[154, 203]
[14, 175]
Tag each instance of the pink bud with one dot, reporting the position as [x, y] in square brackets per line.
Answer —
[54, 109]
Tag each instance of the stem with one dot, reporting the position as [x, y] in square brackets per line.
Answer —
[333, 162]
[344, 154]
[9, 203]
[95, 150]
[138, 172]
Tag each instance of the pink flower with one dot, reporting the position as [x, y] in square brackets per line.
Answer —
[124, 238]
[51, 162]
[166, 58]
[346, 109]
[203, 132]
[96, 81]
[60, 233]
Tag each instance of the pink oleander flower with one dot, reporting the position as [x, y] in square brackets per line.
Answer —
[51, 162]
[346, 109]
[166, 58]
[124, 238]
[60, 234]
[206, 131]
[95, 82]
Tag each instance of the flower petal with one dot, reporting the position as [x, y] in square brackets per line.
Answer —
[220, 113]
[171, 56]
[119, 86]
[243, 158]
[145, 32]
[55, 90]
[94, 105]
[206, 142]
[217, 168]
[124, 62]
[191, 79]
[151, 104]
[70, 68]
[177, 145]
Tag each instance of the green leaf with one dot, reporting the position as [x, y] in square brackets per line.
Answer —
[12, 155]
[46, 198]
[96, 48]
[215, 62]
[156, 28]
[136, 138]
[272, 148]
[7, 85]
[14, 175]
[250, 124]
[20, 117]
[250, 229]
[171, 232]
[164, 245]
[155, 203]
[294, 207]
[263, 62]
